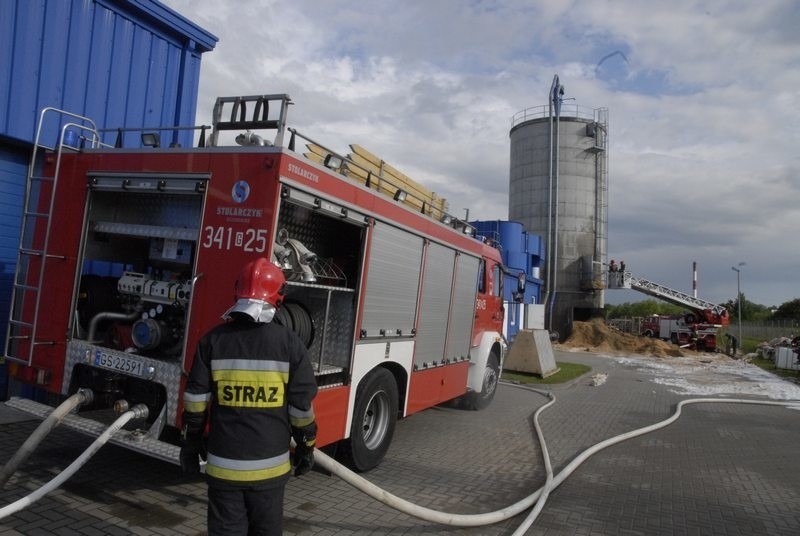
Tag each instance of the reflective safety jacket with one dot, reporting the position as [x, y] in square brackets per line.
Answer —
[258, 383]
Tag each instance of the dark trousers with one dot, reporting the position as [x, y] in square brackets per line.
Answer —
[245, 512]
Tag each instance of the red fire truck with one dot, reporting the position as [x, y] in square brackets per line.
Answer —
[128, 255]
[682, 330]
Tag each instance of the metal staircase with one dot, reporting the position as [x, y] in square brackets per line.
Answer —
[37, 209]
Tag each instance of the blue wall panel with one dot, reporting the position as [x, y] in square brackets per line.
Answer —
[122, 63]
[13, 168]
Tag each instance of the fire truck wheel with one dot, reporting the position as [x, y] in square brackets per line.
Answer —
[283, 318]
[491, 376]
[648, 333]
[374, 419]
[301, 322]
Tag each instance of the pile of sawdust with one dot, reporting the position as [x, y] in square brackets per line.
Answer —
[595, 335]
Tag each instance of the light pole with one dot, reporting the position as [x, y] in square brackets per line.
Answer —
[739, 298]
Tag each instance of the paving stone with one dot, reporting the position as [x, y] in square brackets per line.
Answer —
[721, 469]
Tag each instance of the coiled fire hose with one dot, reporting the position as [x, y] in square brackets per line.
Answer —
[137, 412]
[83, 396]
[488, 518]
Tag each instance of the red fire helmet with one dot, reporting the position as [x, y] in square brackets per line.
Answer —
[261, 280]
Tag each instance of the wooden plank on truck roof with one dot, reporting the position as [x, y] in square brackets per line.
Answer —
[381, 185]
[367, 159]
[316, 149]
[362, 168]
[315, 157]
[354, 173]
[412, 187]
[435, 206]
[379, 163]
[358, 174]
[385, 178]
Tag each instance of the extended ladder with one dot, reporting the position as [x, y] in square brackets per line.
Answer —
[37, 210]
[675, 297]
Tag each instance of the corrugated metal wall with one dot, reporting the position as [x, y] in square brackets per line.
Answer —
[123, 63]
[13, 168]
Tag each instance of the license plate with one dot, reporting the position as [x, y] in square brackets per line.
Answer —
[125, 364]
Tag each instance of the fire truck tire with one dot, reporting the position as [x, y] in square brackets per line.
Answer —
[283, 318]
[301, 322]
[374, 419]
[491, 376]
[649, 333]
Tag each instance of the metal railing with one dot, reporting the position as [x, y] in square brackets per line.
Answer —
[567, 110]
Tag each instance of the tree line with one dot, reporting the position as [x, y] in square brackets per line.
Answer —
[789, 310]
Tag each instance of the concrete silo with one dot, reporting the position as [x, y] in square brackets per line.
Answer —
[559, 190]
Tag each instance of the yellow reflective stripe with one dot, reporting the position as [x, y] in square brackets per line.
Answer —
[250, 364]
[300, 418]
[195, 407]
[250, 376]
[248, 474]
[300, 422]
[195, 402]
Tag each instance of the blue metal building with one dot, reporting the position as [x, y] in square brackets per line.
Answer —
[523, 256]
[122, 63]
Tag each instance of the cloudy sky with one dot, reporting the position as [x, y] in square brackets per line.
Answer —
[703, 99]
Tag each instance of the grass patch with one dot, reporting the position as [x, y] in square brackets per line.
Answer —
[769, 366]
[568, 372]
[750, 344]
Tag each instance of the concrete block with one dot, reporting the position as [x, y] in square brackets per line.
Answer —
[532, 352]
[534, 318]
[785, 358]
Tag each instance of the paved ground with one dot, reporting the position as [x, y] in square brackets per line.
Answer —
[721, 469]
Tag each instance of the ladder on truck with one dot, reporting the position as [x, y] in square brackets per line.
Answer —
[37, 209]
[260, 119]
[675, 297]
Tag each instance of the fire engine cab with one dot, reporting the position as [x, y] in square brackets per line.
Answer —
[129, 255]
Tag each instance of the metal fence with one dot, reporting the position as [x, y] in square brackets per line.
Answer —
[766, 329]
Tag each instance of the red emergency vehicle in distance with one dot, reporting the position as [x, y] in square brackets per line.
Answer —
[128, 255]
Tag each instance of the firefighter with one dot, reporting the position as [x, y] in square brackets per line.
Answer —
[254, 378]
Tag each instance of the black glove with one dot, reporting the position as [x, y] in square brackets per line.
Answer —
[303, 455]
[302, 459]
[190, 459]
[192, 450]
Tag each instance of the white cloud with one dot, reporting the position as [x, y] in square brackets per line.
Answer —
[703, 99]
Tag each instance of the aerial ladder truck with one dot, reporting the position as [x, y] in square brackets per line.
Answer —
[697, 328]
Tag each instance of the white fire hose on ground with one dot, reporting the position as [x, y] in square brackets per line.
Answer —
[552, 482]
[83, 396]
[536, 499]
[137, 412]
